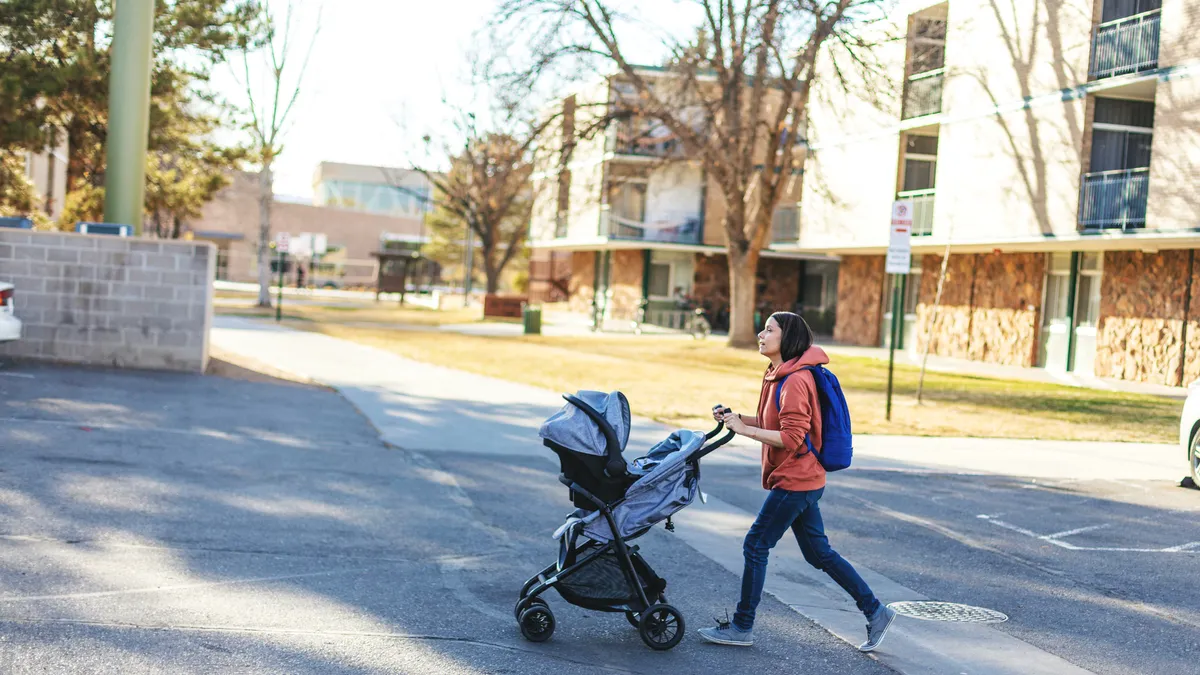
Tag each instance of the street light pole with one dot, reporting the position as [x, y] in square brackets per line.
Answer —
[128, 112]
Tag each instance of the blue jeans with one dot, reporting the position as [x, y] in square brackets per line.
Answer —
[798, 511]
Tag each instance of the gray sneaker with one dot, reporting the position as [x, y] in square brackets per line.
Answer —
[877, 627]
[725, 633]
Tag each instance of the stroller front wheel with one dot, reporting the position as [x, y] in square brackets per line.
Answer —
[661, 627]
[537, 623]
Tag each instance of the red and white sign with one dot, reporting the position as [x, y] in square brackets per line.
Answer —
[283, 240]
[899, 254]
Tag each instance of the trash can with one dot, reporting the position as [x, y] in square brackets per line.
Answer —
[532, 316]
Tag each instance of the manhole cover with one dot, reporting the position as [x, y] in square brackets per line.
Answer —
[948, 611]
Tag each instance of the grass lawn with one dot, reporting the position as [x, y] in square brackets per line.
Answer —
[677, 381]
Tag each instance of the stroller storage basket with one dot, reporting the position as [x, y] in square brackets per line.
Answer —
[602, 584]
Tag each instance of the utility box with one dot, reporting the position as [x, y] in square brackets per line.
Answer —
[531, 315]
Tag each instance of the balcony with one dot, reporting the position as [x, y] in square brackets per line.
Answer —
[785, 225]
[1124, 46]
[923, 94]
[1114, 200]
[639, 138]
[679, 228]
[922, 210]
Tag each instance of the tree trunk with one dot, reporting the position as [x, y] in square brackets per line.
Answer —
[743, 269]
[265, 197]
[492, 274]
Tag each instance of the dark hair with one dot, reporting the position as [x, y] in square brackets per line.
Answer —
[797, 336]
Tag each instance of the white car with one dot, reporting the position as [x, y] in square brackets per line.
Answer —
[10, 325]
[1189, 430]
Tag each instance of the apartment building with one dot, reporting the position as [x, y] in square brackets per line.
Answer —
[1053, 146]
[621, 218]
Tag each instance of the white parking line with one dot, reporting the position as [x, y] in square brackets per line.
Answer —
[1056, 539]
[1078, 530]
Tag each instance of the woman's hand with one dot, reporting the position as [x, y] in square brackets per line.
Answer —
[734, 423]
[718, 412]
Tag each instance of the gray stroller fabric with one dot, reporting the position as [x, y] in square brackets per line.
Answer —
[571, 428]
[668, 484]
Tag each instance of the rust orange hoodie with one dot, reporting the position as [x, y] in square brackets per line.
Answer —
[799, 415]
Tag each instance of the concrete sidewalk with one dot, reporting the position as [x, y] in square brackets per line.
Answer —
[438, 410]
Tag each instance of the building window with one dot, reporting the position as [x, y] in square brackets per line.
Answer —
[1119, 9]
[1091, 271]
[659, 287]
[920, 162]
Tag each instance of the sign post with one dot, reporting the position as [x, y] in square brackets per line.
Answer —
[899, 260]
[282, 243]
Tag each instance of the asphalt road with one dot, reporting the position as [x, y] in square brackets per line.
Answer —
[165, 523]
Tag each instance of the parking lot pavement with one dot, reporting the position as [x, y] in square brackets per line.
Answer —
[157, 523]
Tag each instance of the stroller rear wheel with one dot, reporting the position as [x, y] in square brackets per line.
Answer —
[537, 623]
[661, 627]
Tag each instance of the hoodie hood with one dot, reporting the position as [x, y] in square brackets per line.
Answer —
[815, 356]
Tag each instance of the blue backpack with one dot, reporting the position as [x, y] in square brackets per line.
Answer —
[837, 446]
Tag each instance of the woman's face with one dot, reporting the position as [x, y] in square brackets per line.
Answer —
[770, 339]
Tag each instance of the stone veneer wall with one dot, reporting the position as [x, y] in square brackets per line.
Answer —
[626, 283]
[860, 286]
[1007, 304]
[1191, 362]
[778, 282]
[583, 279]
[1140, 336]
[951, 335]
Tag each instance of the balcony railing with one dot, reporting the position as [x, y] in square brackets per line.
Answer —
[785, 226]
[1124, 46]
[923, 95]
[671, 229]
[922, 210]
[1114, 200]
[642, 139]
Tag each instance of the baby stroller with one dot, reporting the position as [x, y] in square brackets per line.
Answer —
[618, 502]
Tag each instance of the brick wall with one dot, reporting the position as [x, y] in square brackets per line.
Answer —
[860, 287]
[110, 301]
[778, 282]
[1007, 298]
[1140, 336]
[1178, 40]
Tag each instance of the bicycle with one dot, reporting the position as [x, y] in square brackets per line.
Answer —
[698, 325]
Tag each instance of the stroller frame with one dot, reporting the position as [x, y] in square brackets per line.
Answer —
[652, 616]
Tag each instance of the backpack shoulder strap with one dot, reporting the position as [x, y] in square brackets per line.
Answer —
[778, 408]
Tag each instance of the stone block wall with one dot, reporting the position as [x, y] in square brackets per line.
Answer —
[110, 301]
[860, 287]
[1142, 306]
[710, 282]
[1007, 302]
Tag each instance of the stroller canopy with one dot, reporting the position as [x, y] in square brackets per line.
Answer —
[571, 427]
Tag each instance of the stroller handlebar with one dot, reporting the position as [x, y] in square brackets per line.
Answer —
[713, 446]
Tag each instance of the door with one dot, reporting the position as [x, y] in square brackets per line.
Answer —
[1087, 313]
[1055, 344]
[910, 291]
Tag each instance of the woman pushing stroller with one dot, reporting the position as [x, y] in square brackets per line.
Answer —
[788, 425]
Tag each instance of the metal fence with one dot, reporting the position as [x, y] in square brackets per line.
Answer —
[922, 210]
[923, 94]
[1124, 46]
[1114, 199]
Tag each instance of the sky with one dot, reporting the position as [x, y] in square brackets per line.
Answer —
[378, 73]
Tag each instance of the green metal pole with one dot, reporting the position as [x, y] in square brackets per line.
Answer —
[279, 300]
[896, 321]
[128, 112]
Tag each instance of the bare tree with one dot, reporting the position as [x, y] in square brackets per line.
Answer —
[488, 188]
[269, 111]
[735, 95]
